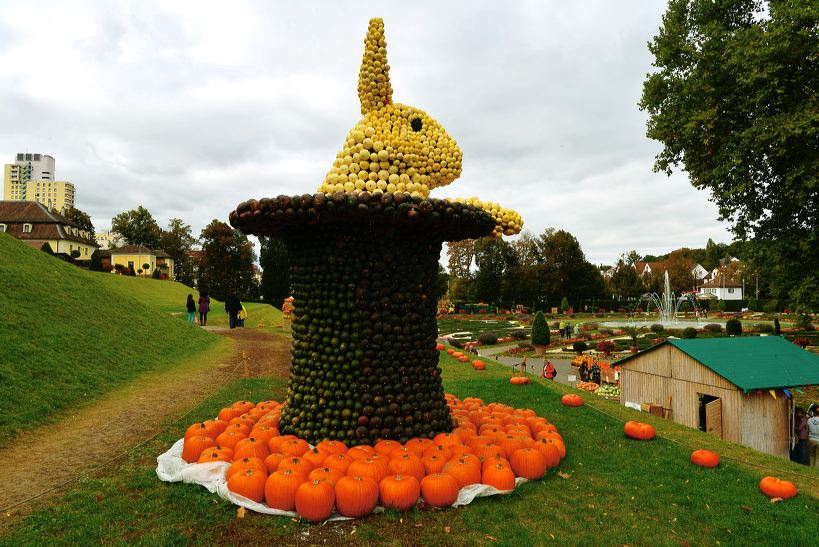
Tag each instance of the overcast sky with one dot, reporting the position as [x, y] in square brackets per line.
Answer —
[188, 108]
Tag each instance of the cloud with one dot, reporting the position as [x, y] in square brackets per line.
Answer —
[188, 108]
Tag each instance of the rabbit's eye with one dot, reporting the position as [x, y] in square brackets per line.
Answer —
[416, 124]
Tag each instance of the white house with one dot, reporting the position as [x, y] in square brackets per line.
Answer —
[698, 272]
[723, 288]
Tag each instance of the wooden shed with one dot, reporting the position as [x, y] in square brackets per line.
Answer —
[733, 388]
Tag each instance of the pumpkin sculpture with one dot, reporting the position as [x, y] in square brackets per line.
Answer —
[369, 241]
[639, 431]
[774, 487]
[704, 458]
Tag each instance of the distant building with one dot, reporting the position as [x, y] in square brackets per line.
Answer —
[108, 240]
[31, 178]
[37, 225]
[135, 257]
[646, 268]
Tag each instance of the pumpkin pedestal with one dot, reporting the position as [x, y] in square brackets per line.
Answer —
[364, 280]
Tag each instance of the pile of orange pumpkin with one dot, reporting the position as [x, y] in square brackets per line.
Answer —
[492, 444]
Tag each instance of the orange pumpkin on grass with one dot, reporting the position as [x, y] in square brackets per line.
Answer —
[528, 463]
[704, 458]
[194, 446]
[314, 500]
[572, 400]
[774, 487]
[280, 489]
[639, 431]
[464, 472]
[399, 492]
[439, 490]
[499, 476]
[356, 496]
[249, 484]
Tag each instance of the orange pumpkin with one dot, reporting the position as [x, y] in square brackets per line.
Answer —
[433, 464]
[495, 460]
[499, 476]
[369, 467]
[194, 446]
[325, 473]
[275, 443]
[338, 461]
[315, 456]
[407, 464]
[439, 490]
[639, 431]
[528, 463]
[264, 432]
[249, 484]
[417, 445]
[356, 496]
[399, 492]
[294, 447]
[332, 447]
[384, 448]
[240, 466]
[227, 414]
[478, 365]
[244, 406]
[360, 452]
[297, 464]
[216, 455]
[280, 489]
[572, 399]
[273, 460]
[558, 444]
[314, 500]
[464, 472]
[704, 458]
[777, 488]
[203, 429]
[250, 447]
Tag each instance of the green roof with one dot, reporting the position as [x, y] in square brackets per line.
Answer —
[750, 362]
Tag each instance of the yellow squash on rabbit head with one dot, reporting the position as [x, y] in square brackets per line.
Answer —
[398, 148]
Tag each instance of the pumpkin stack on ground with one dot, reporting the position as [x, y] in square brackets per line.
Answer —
[490, 444]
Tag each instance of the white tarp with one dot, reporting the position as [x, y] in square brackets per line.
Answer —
[170, 467]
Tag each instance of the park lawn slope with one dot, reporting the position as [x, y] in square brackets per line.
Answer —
[611, 490]
[68, 335]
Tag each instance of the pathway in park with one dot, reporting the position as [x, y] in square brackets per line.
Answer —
[52, 455]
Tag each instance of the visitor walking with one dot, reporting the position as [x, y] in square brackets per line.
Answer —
[242, 316]
[595, 373]
[568, 330]
[191, 309]
[232, 307]
[813, 434]
[801, 430]
[561, 327]
[549, 371]
[204, 307]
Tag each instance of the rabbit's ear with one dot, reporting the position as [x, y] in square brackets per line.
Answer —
[374, 87]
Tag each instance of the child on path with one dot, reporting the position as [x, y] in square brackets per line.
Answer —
[242, 316]
[191, 309]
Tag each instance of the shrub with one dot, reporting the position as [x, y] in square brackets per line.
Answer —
[802, 322]
[456, 343]
[157, 274]
[721, 305]
[752, 305]
[564, 304]
[656, 327]
[733, 327]
[580, 346]
[606, 331]
[540, 330]
[518, 334]
[606, 346]
[713, 327]
[803, 342]
[689, 332]
[108, 268]
[488, 338]
[764, 328]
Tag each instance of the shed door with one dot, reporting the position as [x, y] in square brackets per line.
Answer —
[713, 417]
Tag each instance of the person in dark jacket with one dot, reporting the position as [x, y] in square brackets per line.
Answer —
[232, 307]
[595, 373]
[204, 307]
[191, 309]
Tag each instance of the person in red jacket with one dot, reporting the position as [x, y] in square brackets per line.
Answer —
[549, 370]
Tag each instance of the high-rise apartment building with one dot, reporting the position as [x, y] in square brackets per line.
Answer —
[31, 178]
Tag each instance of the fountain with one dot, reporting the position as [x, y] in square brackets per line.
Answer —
[668, 305]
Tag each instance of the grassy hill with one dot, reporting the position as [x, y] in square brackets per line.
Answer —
[67, 335]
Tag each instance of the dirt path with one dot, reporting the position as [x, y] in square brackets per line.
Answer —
[45, 458]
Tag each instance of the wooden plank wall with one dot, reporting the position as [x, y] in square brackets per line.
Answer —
[764, 423]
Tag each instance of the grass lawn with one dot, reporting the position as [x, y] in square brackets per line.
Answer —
[501, 327]
[68, 335]
[614, 490]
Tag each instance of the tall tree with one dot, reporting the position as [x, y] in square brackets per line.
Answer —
[177, 240]
[632, 258]
[734, 104]
[679, 265]
[138, 227]
[80, 219]
[493, 257]
[461, 254]
[625, 282]
[275, 270]
[226, 263]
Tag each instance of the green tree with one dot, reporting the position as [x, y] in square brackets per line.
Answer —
[96, 262]
[734, 104]
[625, 282]
[138, 227]
[226, 263]
[679, 265]
[564, 305]
[79, 219]
[177, 240]
[275, 285]
[493, 256]
[540, 330]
